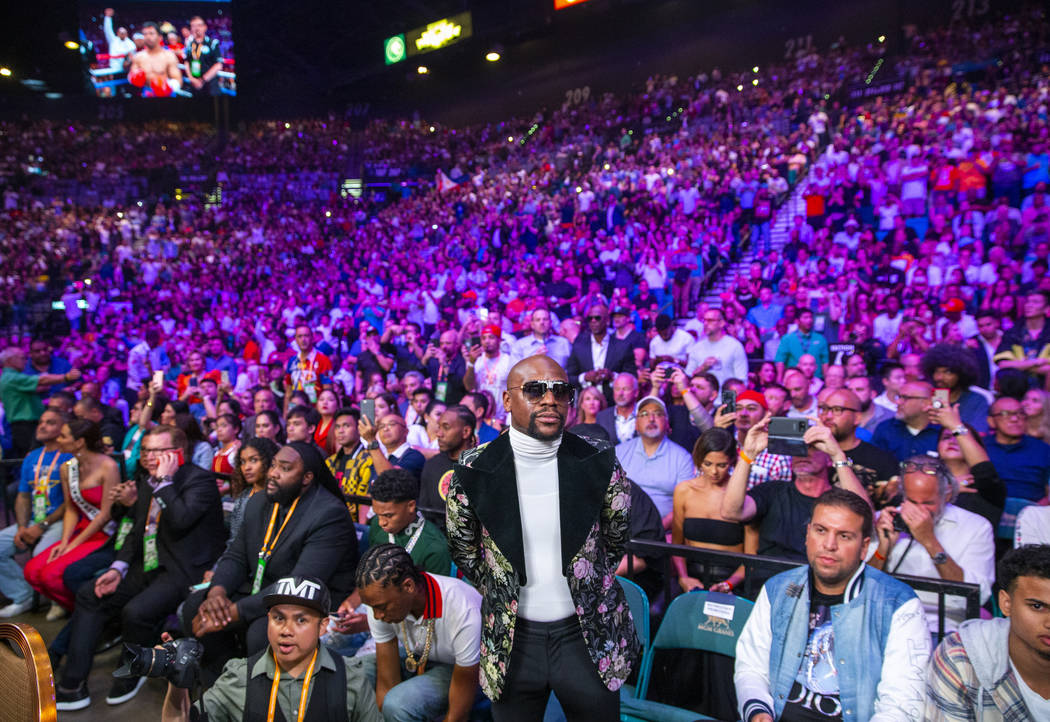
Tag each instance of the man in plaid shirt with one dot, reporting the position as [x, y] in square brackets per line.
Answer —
[999, 669]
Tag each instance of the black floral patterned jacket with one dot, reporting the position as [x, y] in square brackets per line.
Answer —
[485, 538]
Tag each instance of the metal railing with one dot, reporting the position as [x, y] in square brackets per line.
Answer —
[760, 567]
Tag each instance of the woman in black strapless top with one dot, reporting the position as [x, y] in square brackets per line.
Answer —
[698, 519]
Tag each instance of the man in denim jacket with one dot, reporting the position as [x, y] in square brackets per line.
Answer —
[834, 640]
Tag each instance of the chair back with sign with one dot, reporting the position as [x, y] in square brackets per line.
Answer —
[25, 668]
[704, 621]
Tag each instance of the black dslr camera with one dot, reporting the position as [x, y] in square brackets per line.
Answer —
[177, 661]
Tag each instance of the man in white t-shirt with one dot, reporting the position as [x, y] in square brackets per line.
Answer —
[717, 352]
[488, 368]
[670, 344]
[914, 180]
[120, 46]
[437, 620]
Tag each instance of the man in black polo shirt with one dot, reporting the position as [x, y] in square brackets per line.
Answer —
[873, 466]
[455, 435]
[203, 60]
[781, 509]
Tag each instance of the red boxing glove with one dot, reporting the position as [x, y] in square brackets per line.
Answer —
[137, 77]
[159, 86]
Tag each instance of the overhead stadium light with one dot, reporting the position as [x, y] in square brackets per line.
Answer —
[6, 72]
[422, 70]
[492, 56]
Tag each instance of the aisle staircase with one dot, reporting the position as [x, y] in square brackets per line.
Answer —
[785, 214]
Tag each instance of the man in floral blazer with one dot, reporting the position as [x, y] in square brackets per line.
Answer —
[537, 521]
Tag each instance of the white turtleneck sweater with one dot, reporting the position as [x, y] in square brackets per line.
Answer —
[546, 597]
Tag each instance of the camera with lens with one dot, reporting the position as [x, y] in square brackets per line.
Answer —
[899, 524]
[177, 661]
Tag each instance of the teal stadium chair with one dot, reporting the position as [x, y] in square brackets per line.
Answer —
[686, 626]
[638, 601]
[1008, 520]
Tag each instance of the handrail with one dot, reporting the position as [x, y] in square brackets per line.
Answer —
[645, 547]
[941, 587]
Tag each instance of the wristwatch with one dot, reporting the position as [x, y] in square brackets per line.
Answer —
[940, 557]
[374, 446]
[840, 464]
[960, 431]
[44, 525]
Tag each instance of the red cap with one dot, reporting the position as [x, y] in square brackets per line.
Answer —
[493, 329]
[953, 304]
[750, 395]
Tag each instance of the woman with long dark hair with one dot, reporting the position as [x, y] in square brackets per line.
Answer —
[88, 480]
[252, 462]
[698, 520]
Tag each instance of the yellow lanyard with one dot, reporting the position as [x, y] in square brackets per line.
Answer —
[41, 487]
[302, 697]
[264, 552]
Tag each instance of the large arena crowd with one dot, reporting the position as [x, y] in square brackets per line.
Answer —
[902, 320]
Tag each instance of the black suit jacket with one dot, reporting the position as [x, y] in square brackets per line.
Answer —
[606, 418]
[190, 532]
[319, 541]
[618, 359]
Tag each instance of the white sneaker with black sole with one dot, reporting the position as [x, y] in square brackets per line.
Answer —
[124, 689]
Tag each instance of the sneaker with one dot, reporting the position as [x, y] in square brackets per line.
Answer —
[56, 612]
[15, 608]
[124, 689]
[68, 701]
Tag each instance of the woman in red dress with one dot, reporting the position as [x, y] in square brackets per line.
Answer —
[88, 480]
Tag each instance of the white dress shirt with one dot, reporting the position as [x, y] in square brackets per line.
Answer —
[969, 541]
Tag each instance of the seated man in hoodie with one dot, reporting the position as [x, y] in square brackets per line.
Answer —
[999, 669]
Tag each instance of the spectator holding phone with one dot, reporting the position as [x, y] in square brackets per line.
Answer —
[177, 535]
[961, 448]
[780, 510]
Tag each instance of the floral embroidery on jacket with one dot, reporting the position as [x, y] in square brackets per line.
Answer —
[605, 619]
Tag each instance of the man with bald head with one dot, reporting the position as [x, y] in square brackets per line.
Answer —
[839, 410]
[911, 432]
[597, 355]
[538, 520]
[446, 367]
[618, 420]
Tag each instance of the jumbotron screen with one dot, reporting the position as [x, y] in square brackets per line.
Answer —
[165, 49]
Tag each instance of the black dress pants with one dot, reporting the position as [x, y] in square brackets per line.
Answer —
[143, 602]
[551, 656]
[244, 638]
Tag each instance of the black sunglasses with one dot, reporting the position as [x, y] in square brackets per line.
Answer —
[533, 391]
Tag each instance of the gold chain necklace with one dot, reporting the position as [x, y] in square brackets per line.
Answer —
[410, 661]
